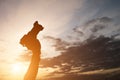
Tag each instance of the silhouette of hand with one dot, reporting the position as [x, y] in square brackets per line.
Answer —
[34, 45]
[31, 43]
[30, 40]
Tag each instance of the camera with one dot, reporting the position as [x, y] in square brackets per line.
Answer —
[31, 36]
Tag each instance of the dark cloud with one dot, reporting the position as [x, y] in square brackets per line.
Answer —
[92, 28]
[103, 20]
[81, 33]
[92, 54]
[85, 77]
[116, 34]
[90, 50]
[97, 28]
[61, 44]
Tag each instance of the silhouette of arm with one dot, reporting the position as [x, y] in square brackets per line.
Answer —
[34, 65]
[32, 43]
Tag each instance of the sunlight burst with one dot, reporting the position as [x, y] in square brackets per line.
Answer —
[17, 68]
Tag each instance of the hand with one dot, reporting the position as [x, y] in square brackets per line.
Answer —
[34, 45]
[31, 43]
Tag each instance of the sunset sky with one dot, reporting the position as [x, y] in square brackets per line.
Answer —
[59, 18]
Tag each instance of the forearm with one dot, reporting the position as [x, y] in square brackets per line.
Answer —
[33, 68]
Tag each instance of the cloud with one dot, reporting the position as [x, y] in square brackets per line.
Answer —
[25, 56]
[61, 44]
[102, 20]
[97, 28]
[105, 19]
[78, 31]
[100, 26]
[86, 76]
[92, 54]
[93, 28]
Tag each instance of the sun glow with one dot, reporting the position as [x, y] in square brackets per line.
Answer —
[17, 68]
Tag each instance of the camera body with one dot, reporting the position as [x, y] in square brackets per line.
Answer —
[29, 38]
